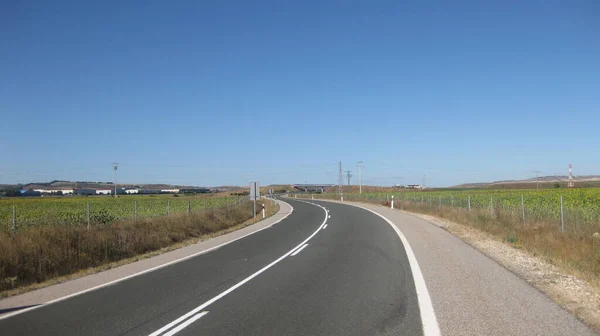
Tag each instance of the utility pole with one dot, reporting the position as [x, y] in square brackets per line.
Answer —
[424, 181]
[115, 167]
[360, 167]
[537, 178]
[341, 179]
[348, 173]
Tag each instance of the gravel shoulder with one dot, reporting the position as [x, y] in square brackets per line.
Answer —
[575, 295]
[481, 286]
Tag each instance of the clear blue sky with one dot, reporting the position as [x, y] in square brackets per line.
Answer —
[213, 93]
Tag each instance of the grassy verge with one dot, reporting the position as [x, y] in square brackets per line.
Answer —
[38, 255]
[576, 254]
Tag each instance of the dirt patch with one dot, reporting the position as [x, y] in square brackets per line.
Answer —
[575, 295]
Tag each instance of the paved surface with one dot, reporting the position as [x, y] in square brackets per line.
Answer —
[471, 293]
[56, 292]
[351, 277]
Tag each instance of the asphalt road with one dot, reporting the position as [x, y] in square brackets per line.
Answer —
[307, 275]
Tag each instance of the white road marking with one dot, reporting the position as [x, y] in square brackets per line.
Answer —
[142, 272]
[324, 227]
[185, 324]
[428, 319]
[300, 249]
[239, 284]
[329, 216]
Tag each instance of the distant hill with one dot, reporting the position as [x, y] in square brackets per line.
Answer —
[550, 181]
[110, 185]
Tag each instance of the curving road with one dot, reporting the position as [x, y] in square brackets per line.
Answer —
[323, 270]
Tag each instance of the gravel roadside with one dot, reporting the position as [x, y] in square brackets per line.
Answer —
[472, 290]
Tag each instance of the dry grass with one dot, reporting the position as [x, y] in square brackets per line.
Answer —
[578, 255]
[38, 254]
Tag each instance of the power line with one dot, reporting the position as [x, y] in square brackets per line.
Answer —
[115, 167]
[341, 180]
[360, 168]
[537, 178]
[348, 173]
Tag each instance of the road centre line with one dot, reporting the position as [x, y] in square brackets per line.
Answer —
[239, 284]
[300, 249]
[185, 324]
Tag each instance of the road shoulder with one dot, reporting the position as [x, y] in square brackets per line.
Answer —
[474, 294]
[30, 300]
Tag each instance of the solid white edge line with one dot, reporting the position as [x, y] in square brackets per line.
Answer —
[185, 324]
[144, 271]
[428, 319]
[298, 250]
[239, 284]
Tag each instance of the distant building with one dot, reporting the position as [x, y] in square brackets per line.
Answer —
[30, 193]
[94, 191]
[55, 190]
[131, 191]
[169, 191]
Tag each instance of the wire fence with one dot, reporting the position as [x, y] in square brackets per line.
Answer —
[569, 212]
[25, 213]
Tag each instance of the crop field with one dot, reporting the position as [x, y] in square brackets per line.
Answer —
[580, 207]
[30, 212]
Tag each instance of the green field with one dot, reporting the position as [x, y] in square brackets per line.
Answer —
[581, 207]
[103, 209]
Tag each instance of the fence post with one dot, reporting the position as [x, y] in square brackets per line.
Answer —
[14, 219]
[392, 201]
[189, 207]
[440, 201]
[135, 211]
[430, 201]
[168, 207]
[523, 208]
[452, 201]
[562, 214]
[422, 199]
[492, 205]
[469, 199]
[88, 214]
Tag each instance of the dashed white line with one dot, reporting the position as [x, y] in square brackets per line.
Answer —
[144, 271]
[185, 324]
[300, 249]
[428, 318]
[239, 284]
[325, 226]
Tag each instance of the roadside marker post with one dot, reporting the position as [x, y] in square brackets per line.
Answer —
[263, 210]
[392, 201]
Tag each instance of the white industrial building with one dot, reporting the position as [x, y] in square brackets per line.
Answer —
[171, 191]
[63, 191]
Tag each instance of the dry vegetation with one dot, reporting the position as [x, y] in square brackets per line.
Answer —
[577, 252]
[40, 253]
